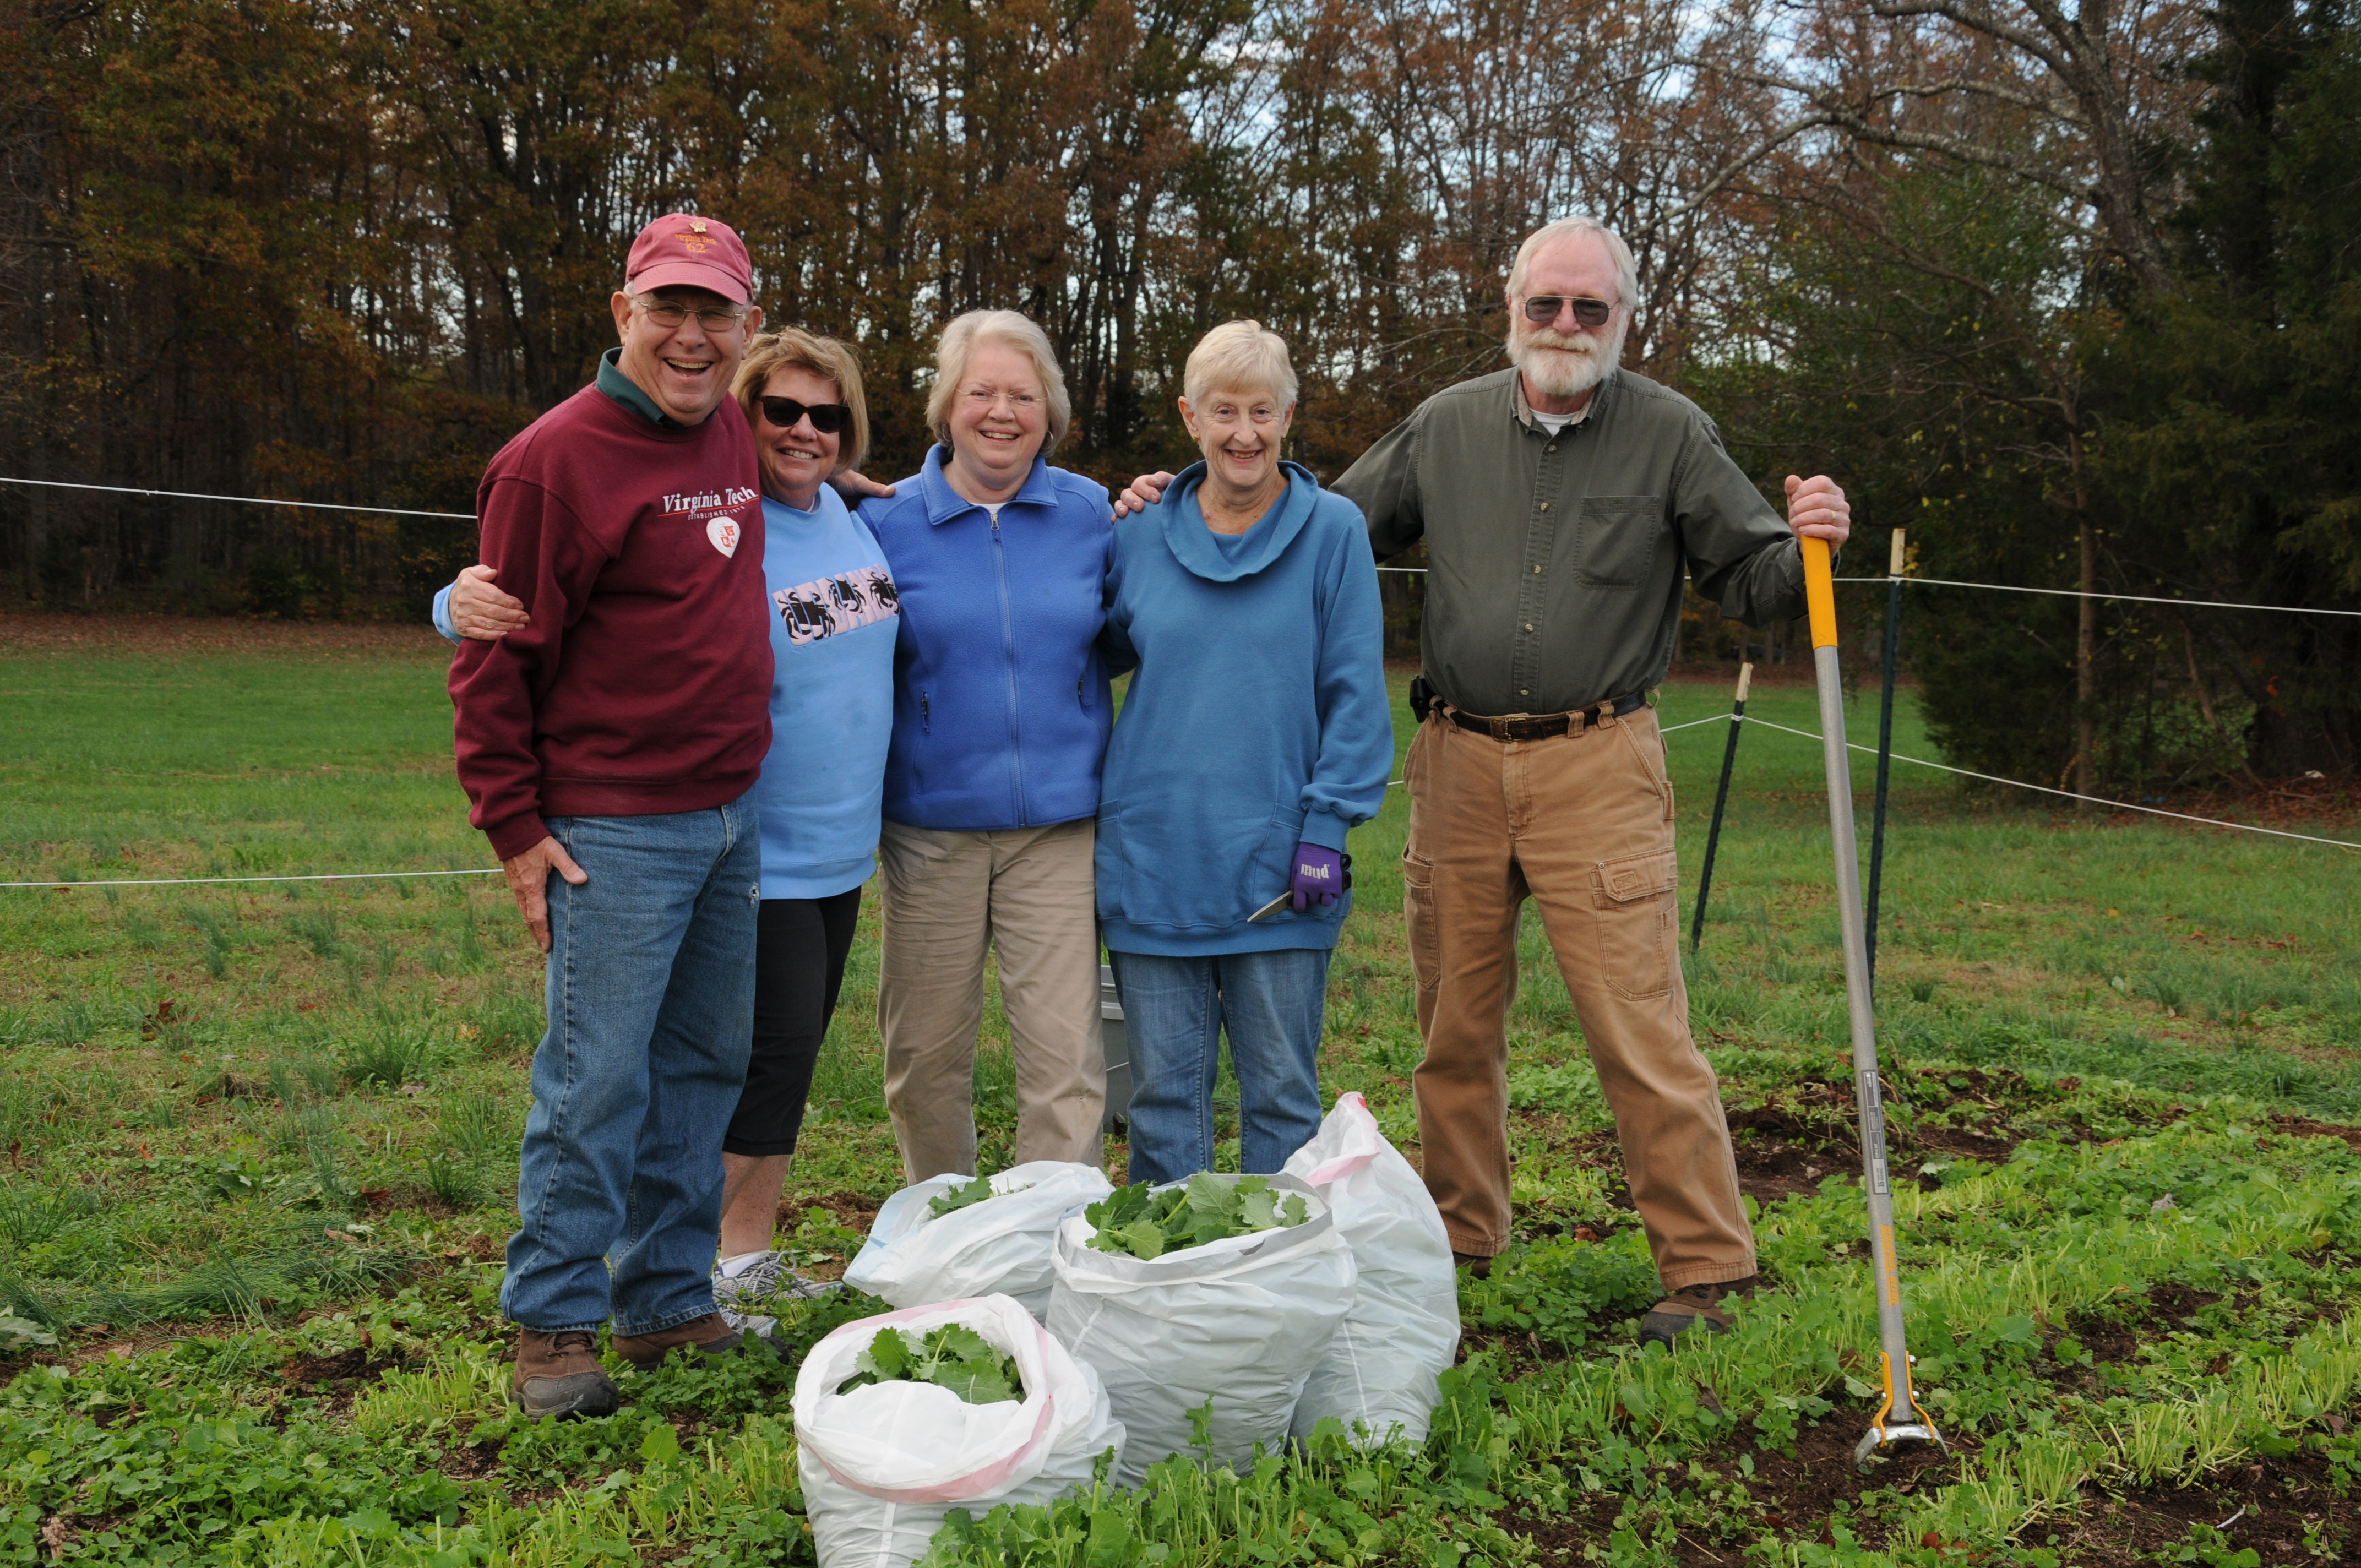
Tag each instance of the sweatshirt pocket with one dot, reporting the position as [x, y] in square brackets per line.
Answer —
[1185, 861]
[1615, 544]
[1271, 871]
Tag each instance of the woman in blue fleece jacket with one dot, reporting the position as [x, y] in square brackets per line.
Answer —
[991, 777]
[1255, 733]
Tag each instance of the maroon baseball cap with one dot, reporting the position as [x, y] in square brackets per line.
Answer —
[700, 253]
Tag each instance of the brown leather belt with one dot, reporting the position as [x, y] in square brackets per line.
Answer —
[1547, 726]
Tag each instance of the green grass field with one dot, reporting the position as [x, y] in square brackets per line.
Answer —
[260, 1140]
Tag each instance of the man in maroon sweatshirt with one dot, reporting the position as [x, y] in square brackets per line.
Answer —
[607, 747]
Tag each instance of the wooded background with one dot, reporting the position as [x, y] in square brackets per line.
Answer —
[2067, 290]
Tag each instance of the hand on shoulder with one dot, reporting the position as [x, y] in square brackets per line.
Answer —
[1142, 493]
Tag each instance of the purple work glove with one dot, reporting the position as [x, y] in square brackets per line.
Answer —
[1319, 874]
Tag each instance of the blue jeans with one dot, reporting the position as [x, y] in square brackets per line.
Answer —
[1174, 1011]
[651, 1011]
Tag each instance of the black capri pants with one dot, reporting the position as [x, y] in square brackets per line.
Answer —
[800, 945]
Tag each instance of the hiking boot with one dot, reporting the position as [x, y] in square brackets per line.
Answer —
[1691, 1305]
[767, 1278]
[558, 1374]
[708, 1335]
[1475, 1264]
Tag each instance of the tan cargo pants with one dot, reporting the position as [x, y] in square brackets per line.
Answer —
[1583, 823]
[949, 896]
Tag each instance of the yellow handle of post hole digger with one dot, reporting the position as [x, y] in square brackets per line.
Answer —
[1820, 591]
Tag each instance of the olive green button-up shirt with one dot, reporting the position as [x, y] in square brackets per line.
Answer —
[1554, 562]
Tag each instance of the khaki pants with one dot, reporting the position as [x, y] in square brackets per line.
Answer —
[1583, 823]
[1028, 894]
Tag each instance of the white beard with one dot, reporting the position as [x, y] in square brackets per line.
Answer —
[1564, 367]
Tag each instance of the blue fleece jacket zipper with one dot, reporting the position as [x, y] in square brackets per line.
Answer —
[1008, 652]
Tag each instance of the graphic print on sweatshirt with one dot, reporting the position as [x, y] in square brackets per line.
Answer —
[715, 509]
[826, 606]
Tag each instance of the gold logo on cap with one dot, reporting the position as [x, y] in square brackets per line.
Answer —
[697, 224]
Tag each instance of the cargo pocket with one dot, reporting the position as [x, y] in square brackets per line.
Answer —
[1426, 940]
[1637, 944]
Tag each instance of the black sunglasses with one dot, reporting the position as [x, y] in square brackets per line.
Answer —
[828, 418]
[1543, 309]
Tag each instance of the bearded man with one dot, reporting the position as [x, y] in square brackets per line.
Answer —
[1562, 501]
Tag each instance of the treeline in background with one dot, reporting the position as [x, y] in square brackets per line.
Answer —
[2067, 290]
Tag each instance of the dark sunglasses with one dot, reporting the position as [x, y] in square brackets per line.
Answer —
[1543, 309]
[828, 418]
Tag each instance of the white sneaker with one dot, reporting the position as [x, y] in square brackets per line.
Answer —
[766, 1278]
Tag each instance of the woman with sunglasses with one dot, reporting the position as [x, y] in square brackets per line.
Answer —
[832, 611]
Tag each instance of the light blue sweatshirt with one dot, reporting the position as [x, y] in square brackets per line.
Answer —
[1256, 720]
[834, 613]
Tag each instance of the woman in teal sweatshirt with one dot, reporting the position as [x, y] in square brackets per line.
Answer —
[1255, 733]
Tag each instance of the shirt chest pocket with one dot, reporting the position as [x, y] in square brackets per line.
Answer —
[1615, 543]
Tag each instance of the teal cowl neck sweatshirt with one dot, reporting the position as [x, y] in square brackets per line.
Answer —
[1256, 718]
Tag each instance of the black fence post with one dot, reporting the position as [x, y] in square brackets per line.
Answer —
[1720, 799]
[1884, 743]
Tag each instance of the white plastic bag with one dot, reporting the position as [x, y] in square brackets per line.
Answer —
[1000, 1247]
[1378, 1375]
[1241, 1320]
[882, 1465]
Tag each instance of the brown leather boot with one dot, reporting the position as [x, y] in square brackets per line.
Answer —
[1691, 1305]
[708, 1335]
[1476, 1264]
[558, 1374]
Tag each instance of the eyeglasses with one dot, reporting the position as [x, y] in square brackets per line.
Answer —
[1543, 308]
[987, 397]
[828, 418]
[712, 318]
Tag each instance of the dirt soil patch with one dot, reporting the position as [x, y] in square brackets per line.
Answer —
[2265, 1506]
[2304, 1127]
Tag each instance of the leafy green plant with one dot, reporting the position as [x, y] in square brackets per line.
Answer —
[964, 1196]
[1141, 1222]
[18, 1334]
[953, 1357]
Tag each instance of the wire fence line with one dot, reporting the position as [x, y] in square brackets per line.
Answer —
[1390, 783]
[2125, 598]
[2065, 794]
[241, 500]
[1995, 778]
[2056, 593]
[1415, 571]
